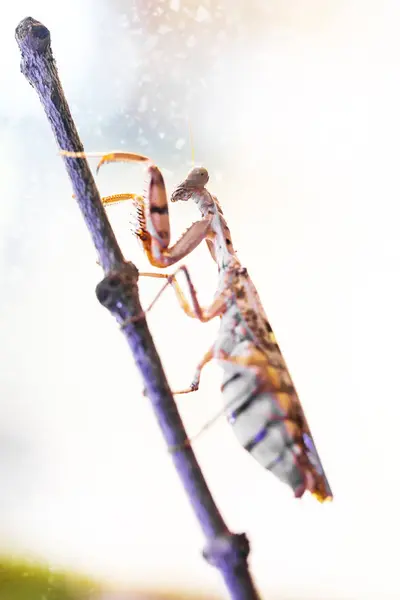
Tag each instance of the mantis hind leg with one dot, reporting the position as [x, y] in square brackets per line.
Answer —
[194, 386]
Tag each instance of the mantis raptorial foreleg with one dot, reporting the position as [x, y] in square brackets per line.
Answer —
[154, 229]
[115, 198]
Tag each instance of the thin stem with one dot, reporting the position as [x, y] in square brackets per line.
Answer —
[119, 293]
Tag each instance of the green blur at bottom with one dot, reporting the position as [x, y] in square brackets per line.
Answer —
[24, 580]
[29, 581]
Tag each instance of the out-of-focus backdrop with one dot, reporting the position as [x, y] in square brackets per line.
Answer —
[294, 108]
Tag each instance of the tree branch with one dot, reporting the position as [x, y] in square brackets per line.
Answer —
[119, 293]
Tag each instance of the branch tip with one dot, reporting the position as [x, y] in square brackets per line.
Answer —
[32, 35]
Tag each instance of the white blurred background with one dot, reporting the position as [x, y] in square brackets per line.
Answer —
[294, 110]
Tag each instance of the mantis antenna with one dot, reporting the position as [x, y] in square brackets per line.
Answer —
[191, 140]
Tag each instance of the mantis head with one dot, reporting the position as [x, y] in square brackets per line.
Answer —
[195, 181]
[197, 177]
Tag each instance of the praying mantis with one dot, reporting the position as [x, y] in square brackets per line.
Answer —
[259, 396]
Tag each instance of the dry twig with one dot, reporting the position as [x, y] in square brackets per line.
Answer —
[119, 293]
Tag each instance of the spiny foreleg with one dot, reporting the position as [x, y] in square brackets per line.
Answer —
[156, 212]
[140, 224]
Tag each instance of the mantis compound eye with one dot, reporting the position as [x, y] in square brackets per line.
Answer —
[198, 175]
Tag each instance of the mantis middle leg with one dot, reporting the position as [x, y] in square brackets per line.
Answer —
[204, 315]
[216, 309]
